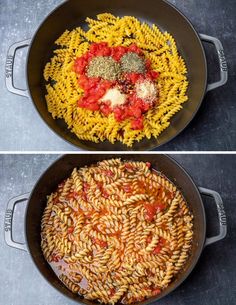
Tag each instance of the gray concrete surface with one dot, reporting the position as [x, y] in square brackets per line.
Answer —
[214, 127]
[213, 280]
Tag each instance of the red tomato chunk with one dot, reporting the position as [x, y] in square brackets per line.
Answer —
[152, 209]
[73, 195]
[108, 173]
[159, 246]
[99, 242]
[129, 166]
[157, 249]
[70, 230]
[127, 188]
[156, 291]
[55, 258]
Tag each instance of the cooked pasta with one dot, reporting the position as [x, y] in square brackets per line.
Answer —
[96, 122]
[116, 231]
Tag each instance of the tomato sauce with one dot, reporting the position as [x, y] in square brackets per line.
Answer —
[70, 229]
[156, 291]
[152, 209]
[99, 242]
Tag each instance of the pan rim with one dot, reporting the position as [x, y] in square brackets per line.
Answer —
[185, 273]
[82, 146]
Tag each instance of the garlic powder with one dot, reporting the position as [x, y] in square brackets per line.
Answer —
[114, 96]
[146, 90]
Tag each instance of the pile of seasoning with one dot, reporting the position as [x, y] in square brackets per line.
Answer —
[132, 63]
[146, 90]
[105, 67]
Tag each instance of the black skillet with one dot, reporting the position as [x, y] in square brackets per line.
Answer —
[71, 14]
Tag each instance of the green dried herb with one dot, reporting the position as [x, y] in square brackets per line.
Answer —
[105, 67]
[132, 62]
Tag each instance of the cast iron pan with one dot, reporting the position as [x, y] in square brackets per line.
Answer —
[62, 168]
[71, 14]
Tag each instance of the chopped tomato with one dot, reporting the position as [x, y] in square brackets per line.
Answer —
[55, 258]
[137, 113]
[80, 65]
[137, 124]
[148, 164]
[141, 185]
[154, 74]
[105, 194]
[73, 195]
[70, 230]
[170, 195]
[129, 166]
[108, 173]
[86, 186]
[100, 185]
[118, 112]
[159, 206]
[112, 292]
[105, 109]
[99, 242]
[159, 246]
[157, 249]
[162, 241]
[133, 77]
[84, 196]
[148, 63]
[92, 106]
[135, 48]
[151, 211]
[127, 188]
[156, 291]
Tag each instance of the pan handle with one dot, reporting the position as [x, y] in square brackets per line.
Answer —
[10, 65]
[222, 60]
[221, 214]
[8, 222]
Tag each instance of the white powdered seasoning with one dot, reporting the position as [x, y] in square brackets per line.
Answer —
[114, 96]
[146, 90]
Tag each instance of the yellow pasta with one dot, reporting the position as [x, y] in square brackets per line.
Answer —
[64, 92]
[116, 231]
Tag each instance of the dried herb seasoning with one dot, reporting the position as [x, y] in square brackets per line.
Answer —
[105, 67]
[132, 62]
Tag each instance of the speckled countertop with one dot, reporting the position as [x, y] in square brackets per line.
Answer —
[213, 280]
[213, 128]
